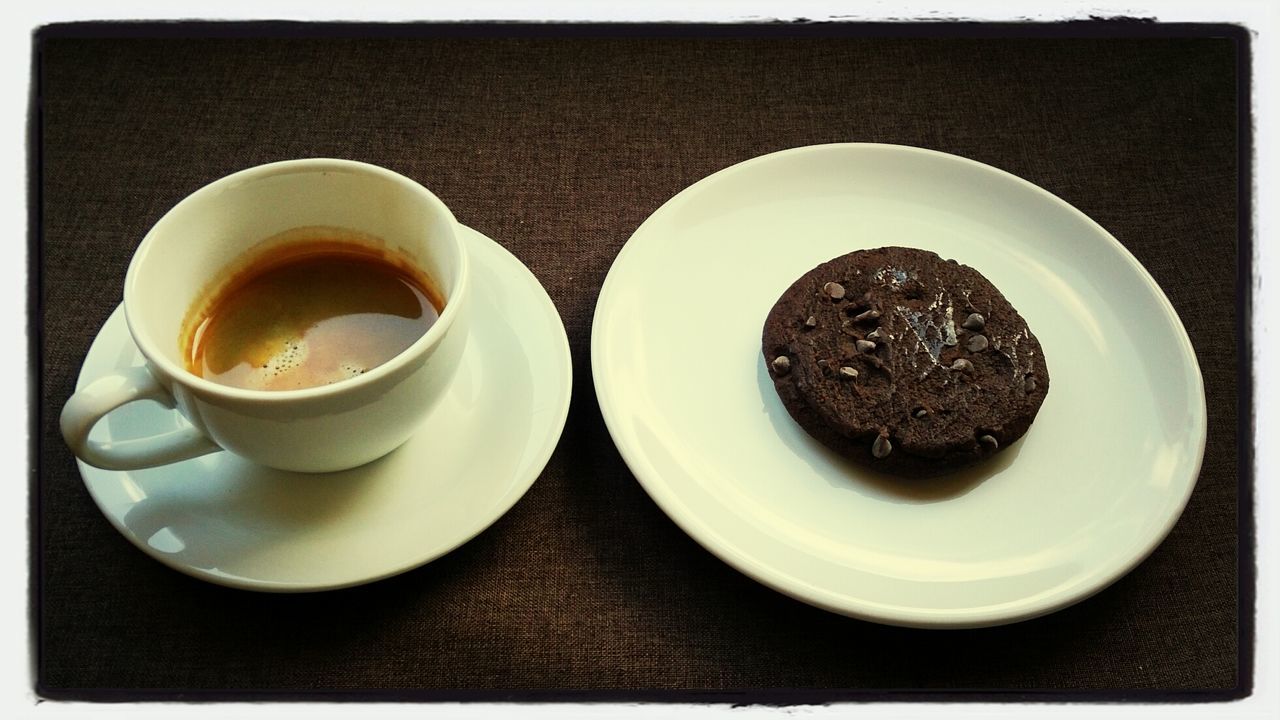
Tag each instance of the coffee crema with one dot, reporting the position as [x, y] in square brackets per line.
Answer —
[309, 313]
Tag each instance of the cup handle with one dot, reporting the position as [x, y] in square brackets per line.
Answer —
[94, 401]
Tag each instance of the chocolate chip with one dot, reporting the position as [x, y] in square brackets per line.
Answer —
[881, 448]
[990, 441]
[782, 365]
[977, 343]
[1029, 384]
[848, 373]
[974, 322]
[920, 412]
[867, 315]
[834, 290]
[962, 365]
[865, 346]
[810, 322]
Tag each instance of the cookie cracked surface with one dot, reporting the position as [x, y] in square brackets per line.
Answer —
[904, 362]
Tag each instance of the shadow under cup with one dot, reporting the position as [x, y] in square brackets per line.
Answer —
[212, 232]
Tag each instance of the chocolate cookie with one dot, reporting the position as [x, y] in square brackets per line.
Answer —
[904, 362]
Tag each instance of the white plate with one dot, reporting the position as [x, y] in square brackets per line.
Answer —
[228, 521]
[1094, 486]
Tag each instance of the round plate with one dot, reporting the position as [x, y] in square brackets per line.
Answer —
[223, 519]
[1093, 487]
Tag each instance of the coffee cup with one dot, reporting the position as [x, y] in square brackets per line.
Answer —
[218, 231]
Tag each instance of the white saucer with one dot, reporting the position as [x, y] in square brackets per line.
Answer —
[1091, 490]
[228, 521]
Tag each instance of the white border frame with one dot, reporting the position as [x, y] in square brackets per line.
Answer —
[1259, 16]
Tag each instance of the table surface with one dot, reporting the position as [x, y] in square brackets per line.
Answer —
[558, 143]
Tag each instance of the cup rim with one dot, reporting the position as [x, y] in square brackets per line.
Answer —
[431, 337]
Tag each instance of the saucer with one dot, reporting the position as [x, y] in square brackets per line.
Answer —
[1092, 488]
[223, 519]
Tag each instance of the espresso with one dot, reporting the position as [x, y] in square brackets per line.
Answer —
[309, 314]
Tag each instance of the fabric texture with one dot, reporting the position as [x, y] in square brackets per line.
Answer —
[558, 143]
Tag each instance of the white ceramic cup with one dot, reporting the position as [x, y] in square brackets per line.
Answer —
[317, 429]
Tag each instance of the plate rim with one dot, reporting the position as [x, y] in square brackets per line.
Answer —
[557, 339]
[717, 545]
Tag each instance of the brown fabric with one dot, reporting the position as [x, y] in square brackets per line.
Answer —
[557, 143]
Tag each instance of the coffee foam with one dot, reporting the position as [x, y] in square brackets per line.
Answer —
[285, 245]
[282, 326]
[287, 369]
[349, 369]
[293, 355]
